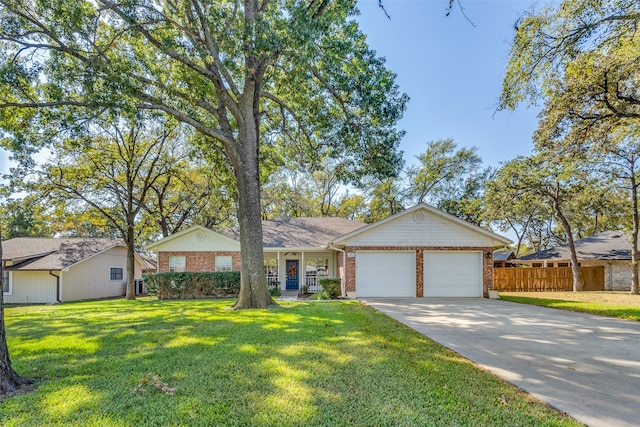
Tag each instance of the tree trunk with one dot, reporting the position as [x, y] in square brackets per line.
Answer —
[131, 264]
[254, 292]
[10, 381]
[634, 234]
[578, 284]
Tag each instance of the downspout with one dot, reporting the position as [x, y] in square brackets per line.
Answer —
[344, 269]
[57, 285]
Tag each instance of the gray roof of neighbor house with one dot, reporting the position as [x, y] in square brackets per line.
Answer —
[150, 263]
[609, 245]
[503, 255]
[315, 232]
[32, 253]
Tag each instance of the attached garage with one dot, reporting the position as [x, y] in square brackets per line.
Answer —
[419, 252]
[386, 273]
[452, 274]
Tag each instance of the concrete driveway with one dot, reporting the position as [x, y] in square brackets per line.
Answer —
[587, 366]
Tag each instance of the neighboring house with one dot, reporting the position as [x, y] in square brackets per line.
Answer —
[611, 249]
[150, 264]
[39, 270]
[420, 252]
[502, 259]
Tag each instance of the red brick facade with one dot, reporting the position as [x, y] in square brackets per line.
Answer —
[198, 261]
[487, 262]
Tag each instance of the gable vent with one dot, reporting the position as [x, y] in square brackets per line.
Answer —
[419, 217]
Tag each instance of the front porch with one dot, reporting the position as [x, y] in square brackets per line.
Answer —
[300, 271]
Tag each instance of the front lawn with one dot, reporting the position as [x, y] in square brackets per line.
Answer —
[612, 304]
[311, 364]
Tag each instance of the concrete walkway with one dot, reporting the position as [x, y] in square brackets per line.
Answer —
[587, 366]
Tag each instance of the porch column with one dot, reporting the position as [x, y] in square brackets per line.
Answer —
[278, 268]
[304, 272]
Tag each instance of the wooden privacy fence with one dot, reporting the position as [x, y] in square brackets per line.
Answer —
[538, 279]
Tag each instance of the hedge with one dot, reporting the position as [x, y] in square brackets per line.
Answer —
[187, 285]
[330, 287]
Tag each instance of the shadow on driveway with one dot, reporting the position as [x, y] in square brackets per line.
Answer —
[587, 366]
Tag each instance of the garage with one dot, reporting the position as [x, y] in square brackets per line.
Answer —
[452, 274]
[386, 273]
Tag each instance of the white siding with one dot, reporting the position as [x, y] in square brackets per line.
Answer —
[198, 240]
[432, 231]
[90, 278]
[32, 287]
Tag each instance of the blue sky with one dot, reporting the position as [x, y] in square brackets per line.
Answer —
[452, 71]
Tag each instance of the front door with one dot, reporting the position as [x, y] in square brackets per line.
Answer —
[292, 274]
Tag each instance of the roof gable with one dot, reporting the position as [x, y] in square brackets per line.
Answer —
[194, 239]
[422, 225]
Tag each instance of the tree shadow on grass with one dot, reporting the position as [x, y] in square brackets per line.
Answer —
[299, 364]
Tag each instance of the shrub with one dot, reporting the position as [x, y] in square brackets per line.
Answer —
[188, 285]
[274, 288]
[330, 287]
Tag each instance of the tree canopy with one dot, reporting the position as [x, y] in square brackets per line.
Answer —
[245, 75]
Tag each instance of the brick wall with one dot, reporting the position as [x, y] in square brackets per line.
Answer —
[199, 261]
[487, 261]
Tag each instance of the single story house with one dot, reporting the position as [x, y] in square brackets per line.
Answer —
[611, 249]
[419, 252]
[503, 258]
[40, 270]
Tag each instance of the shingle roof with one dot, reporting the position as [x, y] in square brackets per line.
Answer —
[52, 254]
[315, 232]
[149, 262]
[502, 255]
[609, 245]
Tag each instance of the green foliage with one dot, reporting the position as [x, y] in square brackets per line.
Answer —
[590, 46]
[629, 311]
[274, 288]
[189, 285]
[291, 366]
[290, 78]
[442, 171]
[330, 287]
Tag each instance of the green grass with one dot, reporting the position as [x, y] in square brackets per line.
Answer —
[311, 364]
[626, 310]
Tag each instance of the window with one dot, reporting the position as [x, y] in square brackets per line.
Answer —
[223, 263]
[317, 267]
[271, 269]
[6, 289]
[563, 264]
[116, 273]
[177, 263]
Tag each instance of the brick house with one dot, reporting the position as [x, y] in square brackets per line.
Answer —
[610, 249]
[419, 252]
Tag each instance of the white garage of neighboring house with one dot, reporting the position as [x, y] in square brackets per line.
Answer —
[41, 270]
[419, 252]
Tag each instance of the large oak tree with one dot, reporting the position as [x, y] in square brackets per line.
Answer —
[581, 57]
[245, 74]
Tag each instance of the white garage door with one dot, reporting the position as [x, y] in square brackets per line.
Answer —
[452, 274]
[385, 274]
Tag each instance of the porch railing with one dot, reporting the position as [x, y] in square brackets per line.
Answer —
[311, 283]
